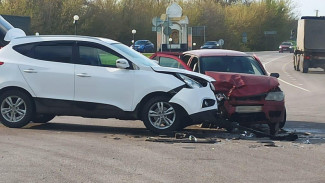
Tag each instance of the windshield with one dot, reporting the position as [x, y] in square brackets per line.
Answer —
[210, 43]
[236, 64]
[287, 43]
[140, 42]
[143, 60]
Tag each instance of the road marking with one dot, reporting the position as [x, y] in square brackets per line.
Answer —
[264, 64]
[274, 60]
[283, 69]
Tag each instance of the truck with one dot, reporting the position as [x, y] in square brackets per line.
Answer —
[310, 50]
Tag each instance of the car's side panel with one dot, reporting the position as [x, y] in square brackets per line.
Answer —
[150, 82]
[49, 79]
[10, 76]
[77, 108]
[105, 85]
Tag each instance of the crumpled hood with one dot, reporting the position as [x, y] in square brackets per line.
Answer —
[241, 85]
[182, 71]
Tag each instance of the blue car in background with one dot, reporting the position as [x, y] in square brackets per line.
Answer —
[144, 46]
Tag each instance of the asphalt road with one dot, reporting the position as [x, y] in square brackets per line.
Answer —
[73, 149]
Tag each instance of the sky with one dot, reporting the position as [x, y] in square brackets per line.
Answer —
[309, 7]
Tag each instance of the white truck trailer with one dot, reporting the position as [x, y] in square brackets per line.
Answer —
[310, 51]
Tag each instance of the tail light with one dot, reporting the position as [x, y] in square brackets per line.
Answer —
[1, 63]
[307, 57]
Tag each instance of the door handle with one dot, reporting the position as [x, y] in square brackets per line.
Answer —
[30, 71]
[83, 75]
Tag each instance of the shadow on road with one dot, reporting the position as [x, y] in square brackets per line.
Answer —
[307, 131]
[91, 129]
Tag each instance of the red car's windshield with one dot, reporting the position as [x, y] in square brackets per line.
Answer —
[235, 64]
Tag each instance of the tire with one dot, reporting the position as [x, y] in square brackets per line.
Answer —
[159, 110]
[295, 62]
[16, 109]
[281, 125]
[274, 128]
[298, 63]
[302, 66]
[42, 118]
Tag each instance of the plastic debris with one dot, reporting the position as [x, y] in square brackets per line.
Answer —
[192, 138]
[180, 135]
[307, 141]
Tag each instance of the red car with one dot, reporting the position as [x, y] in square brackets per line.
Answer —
[286, 46]
[252, 95]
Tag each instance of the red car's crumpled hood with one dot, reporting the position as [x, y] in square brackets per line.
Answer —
[240, 85]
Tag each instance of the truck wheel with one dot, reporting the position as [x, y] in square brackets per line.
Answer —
[16, 109]
[295, 62]
[160, 116]
[43, 118]
[303, 67]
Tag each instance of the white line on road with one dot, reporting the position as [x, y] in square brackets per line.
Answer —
[274, 60]
[286, 73]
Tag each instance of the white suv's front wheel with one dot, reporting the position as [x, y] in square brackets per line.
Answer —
[160, 116]
[16, 109]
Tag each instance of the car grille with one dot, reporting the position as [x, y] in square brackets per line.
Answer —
[251, 98]
[248, 117]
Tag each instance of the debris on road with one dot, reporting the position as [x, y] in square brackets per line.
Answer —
[190, 140]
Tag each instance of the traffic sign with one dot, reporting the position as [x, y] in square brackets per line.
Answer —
[221, 42]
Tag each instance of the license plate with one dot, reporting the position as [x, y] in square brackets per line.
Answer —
[248, 109]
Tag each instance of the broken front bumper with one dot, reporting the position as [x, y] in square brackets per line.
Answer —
[199, 103]
[256, 112]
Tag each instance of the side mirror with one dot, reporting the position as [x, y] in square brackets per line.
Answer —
[276, 75]
[122, 63]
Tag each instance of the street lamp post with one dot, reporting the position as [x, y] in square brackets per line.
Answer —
[75, 20]
[133, 33]
[170, 43]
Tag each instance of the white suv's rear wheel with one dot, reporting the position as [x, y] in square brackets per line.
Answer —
[160, 116]
[16, 109]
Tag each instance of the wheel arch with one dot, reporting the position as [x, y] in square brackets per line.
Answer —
[155, 94]
[2, 90]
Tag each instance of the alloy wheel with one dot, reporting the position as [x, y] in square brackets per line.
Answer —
[13, 109]
[162, 115]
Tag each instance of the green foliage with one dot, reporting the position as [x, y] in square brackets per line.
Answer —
[224, 19]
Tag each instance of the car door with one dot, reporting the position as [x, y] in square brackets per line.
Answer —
[49, 70]
[100, 87]
[170, 61]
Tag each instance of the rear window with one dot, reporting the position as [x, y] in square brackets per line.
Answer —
[24, 49]
[235, 64]
[56, 51]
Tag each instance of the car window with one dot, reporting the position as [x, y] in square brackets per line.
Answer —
[92, 55]
[233, 64]
[194, 64]
[186, 58]
[140, 58]
[169, 62]
[25, 49]
[58, 52]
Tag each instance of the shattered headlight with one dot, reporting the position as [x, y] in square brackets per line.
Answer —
[190, 82]
[275, 96]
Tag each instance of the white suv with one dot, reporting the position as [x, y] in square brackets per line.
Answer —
[45, 76]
